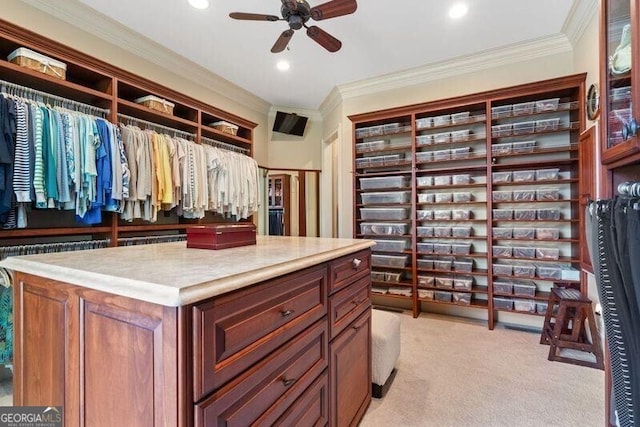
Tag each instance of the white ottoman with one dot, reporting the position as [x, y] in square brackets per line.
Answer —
[385, 349]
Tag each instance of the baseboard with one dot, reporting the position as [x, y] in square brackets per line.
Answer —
[523, 328]
[378, 391]
[388, 308]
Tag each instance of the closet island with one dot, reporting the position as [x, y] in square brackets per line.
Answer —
[163, 335]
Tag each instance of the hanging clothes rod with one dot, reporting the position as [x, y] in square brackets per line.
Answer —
[629, 188]
[224, 145]
[41, 248]
[145, 240]
[40, 96]
[154, 126]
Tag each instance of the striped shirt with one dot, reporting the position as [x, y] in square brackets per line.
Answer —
[22, 167]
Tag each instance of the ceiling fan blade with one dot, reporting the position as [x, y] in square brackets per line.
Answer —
[282, 41]
[332, 9]
[253, 16]
[324, 39]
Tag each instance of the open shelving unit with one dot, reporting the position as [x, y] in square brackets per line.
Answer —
[431, 176]
[95, 83]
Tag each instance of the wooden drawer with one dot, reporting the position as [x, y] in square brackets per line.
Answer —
[344, 270]
[263, 394]
[312, 408]
[347, 304]
[234, 331]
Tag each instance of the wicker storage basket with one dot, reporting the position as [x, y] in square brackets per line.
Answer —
[35, 61]
[225, 127]
[156, 103]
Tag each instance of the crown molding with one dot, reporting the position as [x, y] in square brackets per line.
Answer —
[515, 53]
[81, 16]
[579, 18]
[331, 102]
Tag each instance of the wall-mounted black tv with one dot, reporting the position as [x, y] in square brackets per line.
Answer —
[289, 123]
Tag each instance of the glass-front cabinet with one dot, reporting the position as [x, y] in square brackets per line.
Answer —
[619, 75]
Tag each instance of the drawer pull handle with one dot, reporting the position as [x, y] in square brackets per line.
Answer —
[288, 382]
[356, 302]
[356, 263]
[356, 327]
[287, 313]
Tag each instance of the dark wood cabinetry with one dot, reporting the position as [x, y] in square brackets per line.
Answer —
[262, 394]
[619, 81]
[466, 193]
[73, 345]
[350, 393]
[280, 191]
[619, 142]
[241, 328]
[267, 354]
[587, 188]
[312, 408]
[350, 331]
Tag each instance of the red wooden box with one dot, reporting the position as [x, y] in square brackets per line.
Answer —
[221, 236]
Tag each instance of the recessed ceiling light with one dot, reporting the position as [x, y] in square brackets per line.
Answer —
[283, 65]
[458, 10]
[199, 4]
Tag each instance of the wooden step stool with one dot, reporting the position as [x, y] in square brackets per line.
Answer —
[564, 327]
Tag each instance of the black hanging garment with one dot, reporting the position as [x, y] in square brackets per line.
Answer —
[7, 148]
[276, 222]
[615, 248]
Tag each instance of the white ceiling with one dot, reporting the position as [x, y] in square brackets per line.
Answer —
[381, 37]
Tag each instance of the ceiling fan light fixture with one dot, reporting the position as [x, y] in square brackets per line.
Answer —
[296, 13]
[458, 10]
[199, 4]
[283, 65]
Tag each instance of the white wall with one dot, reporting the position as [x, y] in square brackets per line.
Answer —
[331, 181]
[299, 153]
[295, 152]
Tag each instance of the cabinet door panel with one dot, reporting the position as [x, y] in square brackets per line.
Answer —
[619, 76]
[130, 398]
[350, 373]
[40, 357]
[587, 189]
[108, 360]
[127, 384]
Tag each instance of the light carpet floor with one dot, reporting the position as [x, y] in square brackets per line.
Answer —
[6, 393]
[454, 372]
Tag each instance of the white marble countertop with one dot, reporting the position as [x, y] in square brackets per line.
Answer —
[172, 275]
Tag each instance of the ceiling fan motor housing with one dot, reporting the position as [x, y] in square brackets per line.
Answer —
[297, 15]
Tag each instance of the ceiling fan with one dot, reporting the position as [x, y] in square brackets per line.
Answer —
[297, 13]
